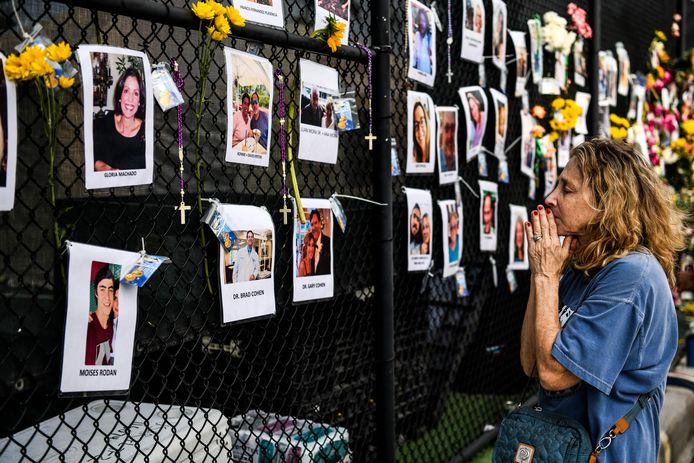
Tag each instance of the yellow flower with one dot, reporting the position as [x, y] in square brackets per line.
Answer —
[66, 82]
[34, 59]
[614, 118]
[614, 132]
[50, 81]
[554, 123]
[661, 71]
[687, 126]
[203, 10]
[59, 52]
[15, 68]
[235, 17]
[558, 103]
[216, 7]
[333, 43]
[216, 35]
[222, 24]
[660, 35]
[553, 136]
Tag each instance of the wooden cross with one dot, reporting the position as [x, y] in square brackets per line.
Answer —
[183, 208]
[284, 211]
[370, 137]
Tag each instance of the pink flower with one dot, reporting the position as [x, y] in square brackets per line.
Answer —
[658, 85]
[667, 77]
[658, 109]
[670, 123]
[571, 8]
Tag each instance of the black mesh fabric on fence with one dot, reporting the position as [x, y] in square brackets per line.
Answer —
[456, 359]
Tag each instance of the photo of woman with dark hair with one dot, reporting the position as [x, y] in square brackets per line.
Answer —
[119, 135]
[420, 132]
[308, 250]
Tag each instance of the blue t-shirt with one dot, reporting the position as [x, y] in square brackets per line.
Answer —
[262, 125]
[619, 336]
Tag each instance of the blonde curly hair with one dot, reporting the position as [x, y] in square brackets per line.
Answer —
[632, 208]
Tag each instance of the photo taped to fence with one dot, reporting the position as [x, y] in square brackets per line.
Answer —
[501, 122]
[488, 215]
[100, 322]
[452, 236]
[420, 229]
[313, 251]
[319, 139]
[472, 48]
[249, 108]
[8, 138]
[422, 40]
[447, 143]
[118, 116]
[246, 272]
[421, 136]
[519, 44]
[475, 105]
[518, 245]
[499, 34]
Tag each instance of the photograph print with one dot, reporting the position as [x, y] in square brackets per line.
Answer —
[624, 69]
[488, 215]
[420, 223]
[527, 145]
[535, 32]
[249, 108]
[452, 236]
[421, 136]
[580, 66]
[246, 277]
[422, 43]
[447, 143]
[472, 48]
[518, 245]
[8, 138]
[501, 123]
[100, 322]
[499, 34]
[519, 44]
[118, 116]
[318, 139]
[475, 105]
[267, 12]
[313, 266]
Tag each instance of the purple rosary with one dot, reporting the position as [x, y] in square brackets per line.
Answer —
[370, 137]
[179, 83]
[449, 42]
[283, 147]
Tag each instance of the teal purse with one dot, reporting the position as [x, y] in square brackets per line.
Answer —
[529, 434]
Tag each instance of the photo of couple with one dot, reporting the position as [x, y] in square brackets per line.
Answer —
[313, 251]
[317, 108]
[420, 229]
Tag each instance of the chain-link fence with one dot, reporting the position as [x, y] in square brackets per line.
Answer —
[456, 359]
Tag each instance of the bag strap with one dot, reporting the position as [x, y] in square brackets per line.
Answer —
[622, 424]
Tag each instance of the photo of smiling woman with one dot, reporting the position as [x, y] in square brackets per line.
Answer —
[420, 140]
[118, 120]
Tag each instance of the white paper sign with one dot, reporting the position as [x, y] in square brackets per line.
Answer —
[488, 215]
[268, 12]
[582, 100]
[517, 244]
[447, 143]
[421, 142]
[246, 273]
[472, 48]
[118, 117]
[452, 236]
[8, 139]
[419, 229]
[319, 137]
[249, 108]
[422, 43]
[100, 322]
[313, 251]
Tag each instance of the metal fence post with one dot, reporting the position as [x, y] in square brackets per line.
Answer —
[595, 19]
[383, 218]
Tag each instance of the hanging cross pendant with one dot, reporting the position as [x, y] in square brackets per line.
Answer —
[183, 208]
[285, 210]
[370, 137]
[449, 74]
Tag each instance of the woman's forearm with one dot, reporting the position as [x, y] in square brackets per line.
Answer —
[527, 340]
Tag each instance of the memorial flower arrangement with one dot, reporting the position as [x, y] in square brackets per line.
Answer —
[47, 65]
[555, 35]
[579, 24]
[678, 159]
[566, 114]
[332, 33]
[215, 23]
